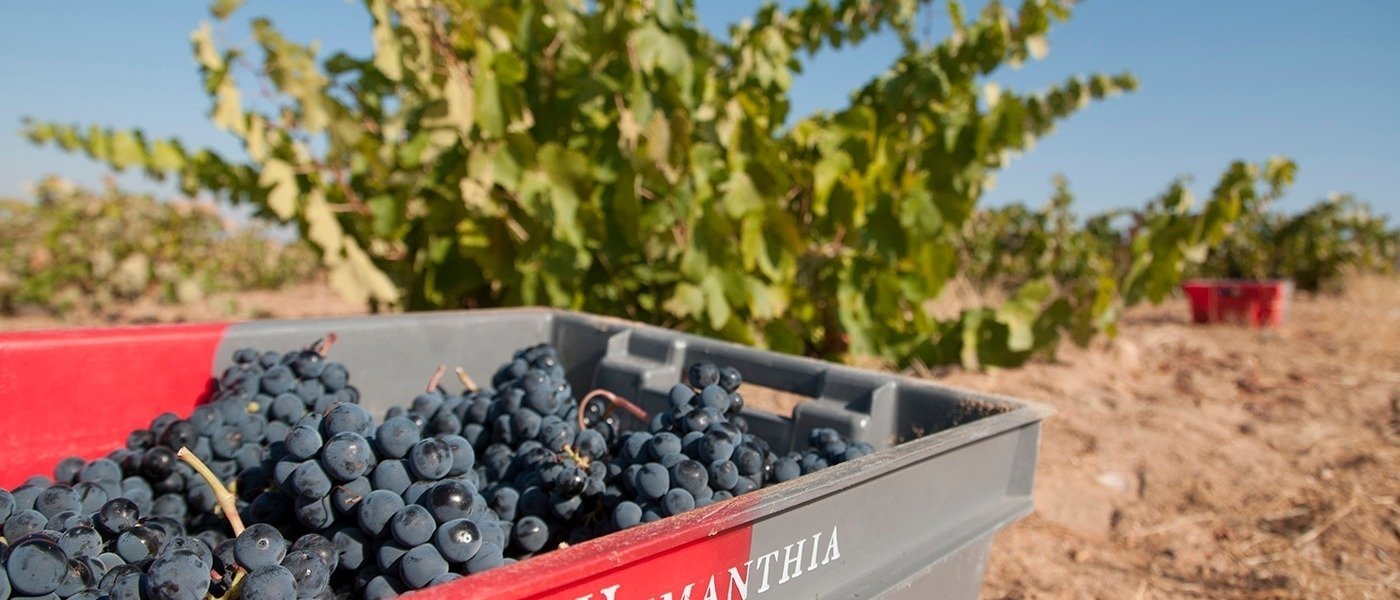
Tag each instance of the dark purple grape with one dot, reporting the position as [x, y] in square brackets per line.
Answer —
[430, 459]
[178, 575]
[269, 582]
[309, 571]
[458, 540]
[23, 523]
[376, 509]
[36, 566]
[677, 501]
[318, 546]
[530, 534]
[689, 475]
[488, 557]
[351, 546]
[412, 525]
[396, 436]
[730, 379]
[627, 514]
[259, 545]
[347, 455]
[702, 374]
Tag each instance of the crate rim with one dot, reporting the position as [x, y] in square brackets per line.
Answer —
[24, 336]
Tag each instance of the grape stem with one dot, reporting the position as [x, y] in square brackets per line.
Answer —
[466, 380]
[437, 377]
[354, 498]
[221, 493]
[235, 589]
[579, 459]
[323, 345]
[614, 401]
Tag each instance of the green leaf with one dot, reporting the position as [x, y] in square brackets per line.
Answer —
[1020, 312]
[626, 213]
[166, 156]
[782, 336]
[687, 301]
[377, 285]
[668, 13]
[826, 174]
[490, 116]
[567, 171]
[228, 107]
[98, 144]
[205, 53]
[460, 102]
[740, 195]
[716, 306]
[971, 332]
[67, 138]
[124, 150]
[388, 214]
[387, 52]
[38, 133]
[322, 228]
[280, 183]
[658, 49]
[221, 9]
[471, 236]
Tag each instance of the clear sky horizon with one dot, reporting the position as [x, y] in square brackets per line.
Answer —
[1246, 79]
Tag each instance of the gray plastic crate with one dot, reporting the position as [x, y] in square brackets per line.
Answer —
[913, 520]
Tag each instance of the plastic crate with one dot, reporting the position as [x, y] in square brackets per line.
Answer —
[1246, 302]
[913, 520]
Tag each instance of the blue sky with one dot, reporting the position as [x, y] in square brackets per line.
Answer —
[1316, 81]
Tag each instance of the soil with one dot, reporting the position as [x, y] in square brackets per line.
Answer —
[1183, 460]
[1215, 461]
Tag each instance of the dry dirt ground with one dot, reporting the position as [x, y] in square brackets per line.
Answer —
[1216, 461]
[1183, 461]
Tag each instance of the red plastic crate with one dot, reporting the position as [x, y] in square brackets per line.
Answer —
[1259, 303]
[916, 518]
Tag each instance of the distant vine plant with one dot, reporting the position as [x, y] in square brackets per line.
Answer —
[66, 248]
[616, 157]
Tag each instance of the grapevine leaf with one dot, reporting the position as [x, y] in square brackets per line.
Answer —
[658, 49]
[124, 150]
[782, 336]
[688, 300]
[222, 9]
[282, 190]
[740, 195]
[1020, 312]
[716, 306]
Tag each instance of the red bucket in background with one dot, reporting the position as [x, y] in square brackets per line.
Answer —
[1260, 303]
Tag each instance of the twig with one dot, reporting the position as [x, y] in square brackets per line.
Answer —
[351, 195]
[323, 345]
[437, 377]
[1336, 517]
[221, 493]
[1170, 525]
[614, 402]
[466, 379]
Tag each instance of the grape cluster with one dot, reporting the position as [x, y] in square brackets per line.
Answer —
[339, 504]
[140, 523]
[700, 452]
